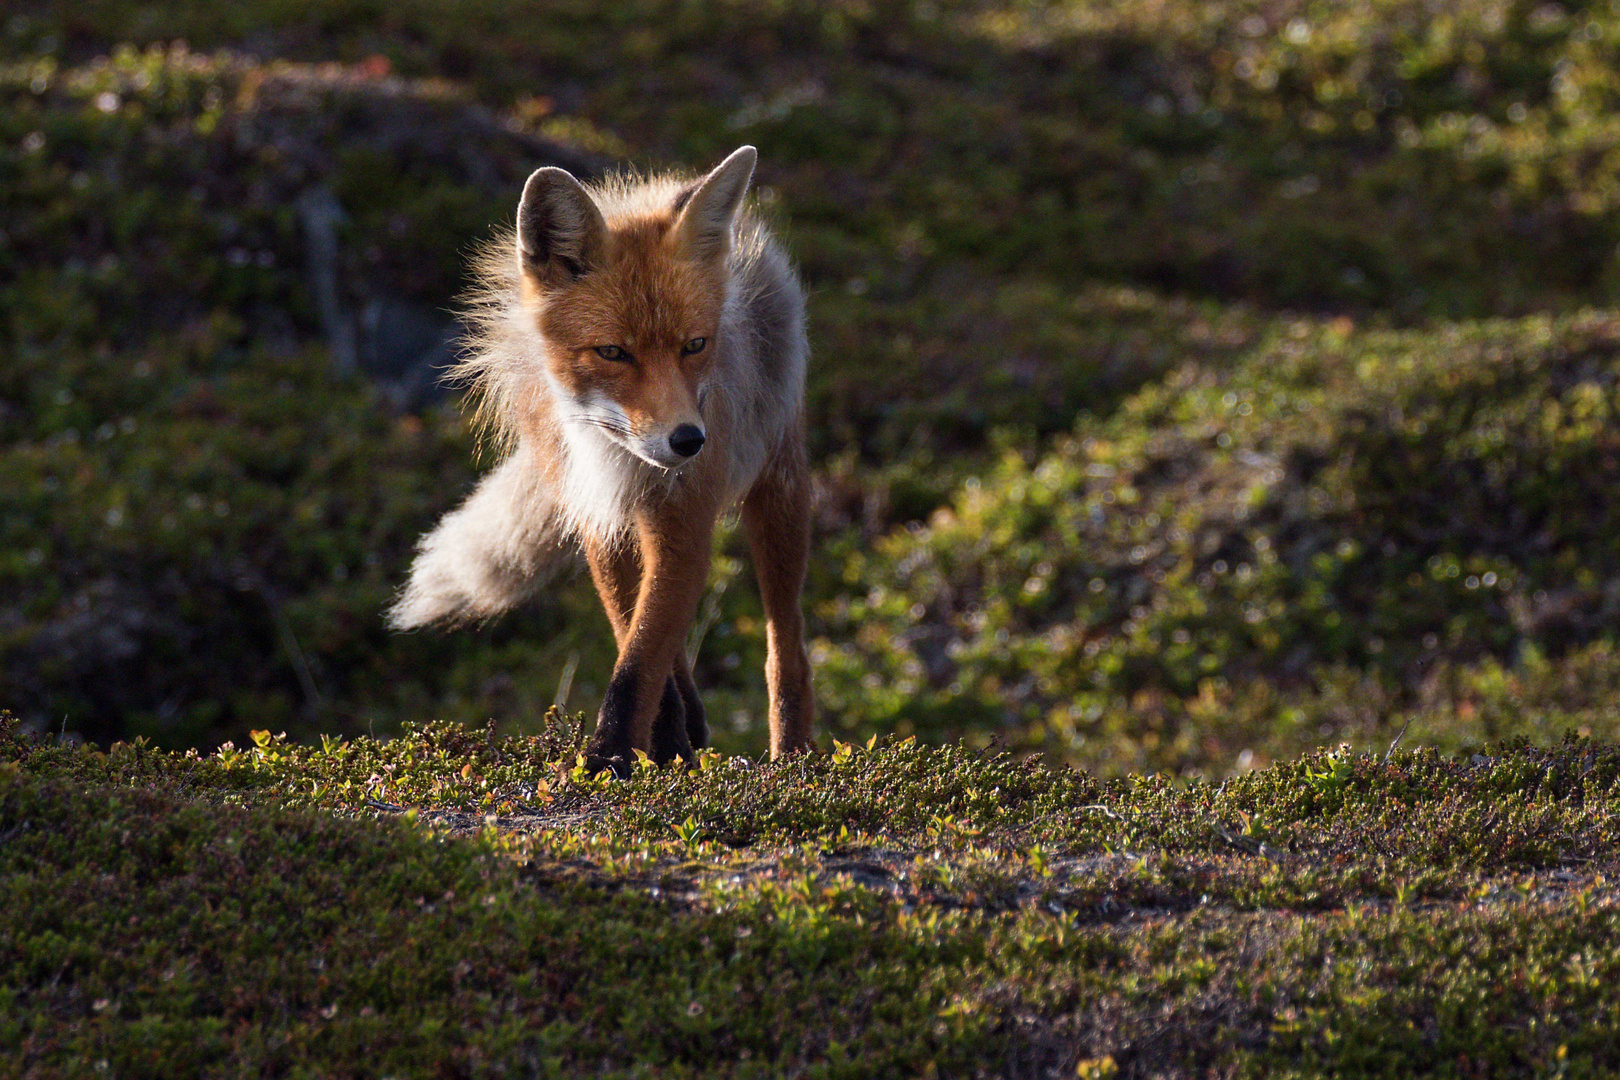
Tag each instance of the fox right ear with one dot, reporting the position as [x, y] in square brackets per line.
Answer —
[560, 232]
[707, 213]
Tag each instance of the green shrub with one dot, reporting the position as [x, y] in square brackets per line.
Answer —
[893, 909]
[1119, 230]
[1381, 502]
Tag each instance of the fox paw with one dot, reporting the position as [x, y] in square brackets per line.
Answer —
[600, 761]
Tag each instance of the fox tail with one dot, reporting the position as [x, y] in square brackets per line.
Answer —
[487, 555]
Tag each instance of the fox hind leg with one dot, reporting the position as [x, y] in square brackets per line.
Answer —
[776, 517]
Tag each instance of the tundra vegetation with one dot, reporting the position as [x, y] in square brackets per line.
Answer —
[1209, 393]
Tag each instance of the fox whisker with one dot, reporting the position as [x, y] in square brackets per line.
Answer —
[601, 422]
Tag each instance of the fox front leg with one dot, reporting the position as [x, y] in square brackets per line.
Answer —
[679, 726]
[674, 550]
[669, 734]
[697, 724]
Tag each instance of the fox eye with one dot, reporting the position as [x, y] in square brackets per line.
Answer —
[694, 346]
[611, 352]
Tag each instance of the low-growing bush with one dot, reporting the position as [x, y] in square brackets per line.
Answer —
[1219, 267]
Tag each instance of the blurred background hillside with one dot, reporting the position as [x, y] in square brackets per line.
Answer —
[1193, 383]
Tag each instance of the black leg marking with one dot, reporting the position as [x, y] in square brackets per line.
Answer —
[697, 724]
[610, 746]
[670, 739]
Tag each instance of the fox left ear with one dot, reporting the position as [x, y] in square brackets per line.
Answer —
[704, 226]
[560, 232]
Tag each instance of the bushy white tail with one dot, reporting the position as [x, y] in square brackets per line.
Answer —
[487, 555]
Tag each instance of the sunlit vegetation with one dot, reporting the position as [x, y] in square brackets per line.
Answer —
[1220, 398]
[473, 902]
[1221, 383]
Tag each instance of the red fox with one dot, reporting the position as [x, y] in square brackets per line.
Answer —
[639, 348]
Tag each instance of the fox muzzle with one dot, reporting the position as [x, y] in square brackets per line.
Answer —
[686, 440]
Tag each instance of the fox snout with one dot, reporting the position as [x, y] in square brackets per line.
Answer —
[676, 448]
[643, 436]
[686, 440]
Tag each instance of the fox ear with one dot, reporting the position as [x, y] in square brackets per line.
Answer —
[704, 226]
[560, 232]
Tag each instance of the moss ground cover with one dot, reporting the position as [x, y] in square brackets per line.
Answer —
[206, 509]
[1178, 369]
[1197, 387]
[1404, 505]
[455, 902]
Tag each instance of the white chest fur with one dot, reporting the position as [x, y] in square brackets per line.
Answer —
[600, 483]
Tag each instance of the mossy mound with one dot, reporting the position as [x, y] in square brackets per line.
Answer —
[1230, 545]
[459, 901]
[1322, 298]
[209, 506]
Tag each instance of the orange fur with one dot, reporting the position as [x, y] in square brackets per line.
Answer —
[644, 362]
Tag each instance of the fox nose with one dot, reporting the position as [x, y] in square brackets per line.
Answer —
[686, 440]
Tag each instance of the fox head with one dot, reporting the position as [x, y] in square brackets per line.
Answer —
[630, 310]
